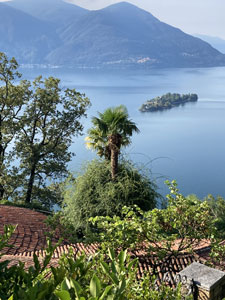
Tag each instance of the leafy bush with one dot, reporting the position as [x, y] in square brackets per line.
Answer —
[217, 206]
[217, 211]
[167, 232]
[99, 278]
[94, 193]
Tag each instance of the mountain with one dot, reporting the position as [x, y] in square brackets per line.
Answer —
[57, 12]
[25, 37]
[120, 35]
[216, 42]
[125, 35]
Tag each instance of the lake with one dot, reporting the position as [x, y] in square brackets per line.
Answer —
[185, 143]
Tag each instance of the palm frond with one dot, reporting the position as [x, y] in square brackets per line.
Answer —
[113, 121]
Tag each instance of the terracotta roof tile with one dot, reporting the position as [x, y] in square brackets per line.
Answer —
[29, 238]
[30, 230]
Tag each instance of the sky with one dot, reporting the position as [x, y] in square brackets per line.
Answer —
[192, 16]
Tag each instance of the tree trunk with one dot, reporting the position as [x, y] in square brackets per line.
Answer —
[114, 163]
[107, 153]
[2, 190]
[30, 184]
[114, 145]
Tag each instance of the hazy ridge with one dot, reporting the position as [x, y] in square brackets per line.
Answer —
[121, 35]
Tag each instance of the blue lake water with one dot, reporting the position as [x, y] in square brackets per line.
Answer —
[185, 143]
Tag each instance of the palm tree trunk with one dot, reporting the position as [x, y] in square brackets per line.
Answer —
[114, 146]
[114, 163]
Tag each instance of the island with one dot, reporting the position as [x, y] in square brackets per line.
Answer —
[167, 101]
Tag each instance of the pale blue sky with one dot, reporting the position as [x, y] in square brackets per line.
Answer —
[192, 16]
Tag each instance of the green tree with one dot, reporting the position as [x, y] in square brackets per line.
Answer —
[97, 141]
[93, 193]
[165, 232]
[12, 98]
[111, 130]
[217, 206]
[50, 120]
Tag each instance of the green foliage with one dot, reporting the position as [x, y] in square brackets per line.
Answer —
[59, 225]
[37, 122]
[34, 205]
[217, 211]
[116, 280]
[111, 121]
[93, 193]
[50, 119]
[99, 278]
[7, 233]
[111, 131]
[166, 232]
[167, 101]
[12, 99]
[217, 206]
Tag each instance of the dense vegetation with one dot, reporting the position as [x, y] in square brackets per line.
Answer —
[112, 276]
[101, 277]
[93, 193]
[37, 123]
[167, 101]
[167, 232]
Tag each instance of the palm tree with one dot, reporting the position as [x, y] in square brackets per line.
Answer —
[111, 130]
[97, 141]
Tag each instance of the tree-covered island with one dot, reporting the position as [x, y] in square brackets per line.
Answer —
[167, 101]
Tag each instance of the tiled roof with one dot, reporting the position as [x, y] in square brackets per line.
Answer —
[77, 249]
[146, 263]
[29, 238]
[30, 231]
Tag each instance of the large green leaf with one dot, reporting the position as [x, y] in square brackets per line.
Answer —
[111, 253]
[95, 286]
[122, 286]
[106, 291]
[63, 295]
[122, 257]
[131, 264]
[76, 287]
[105, 267]
[64, 285]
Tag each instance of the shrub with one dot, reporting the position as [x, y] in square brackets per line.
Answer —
[100, 278]
[94, 193]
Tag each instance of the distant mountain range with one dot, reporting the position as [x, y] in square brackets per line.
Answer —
[216, 42]
[57, 12]
[121, 35]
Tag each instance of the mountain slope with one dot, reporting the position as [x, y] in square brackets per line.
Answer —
[25, 37]
[57, 12]
[121, 35]
[125, 34]
[216, 42]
